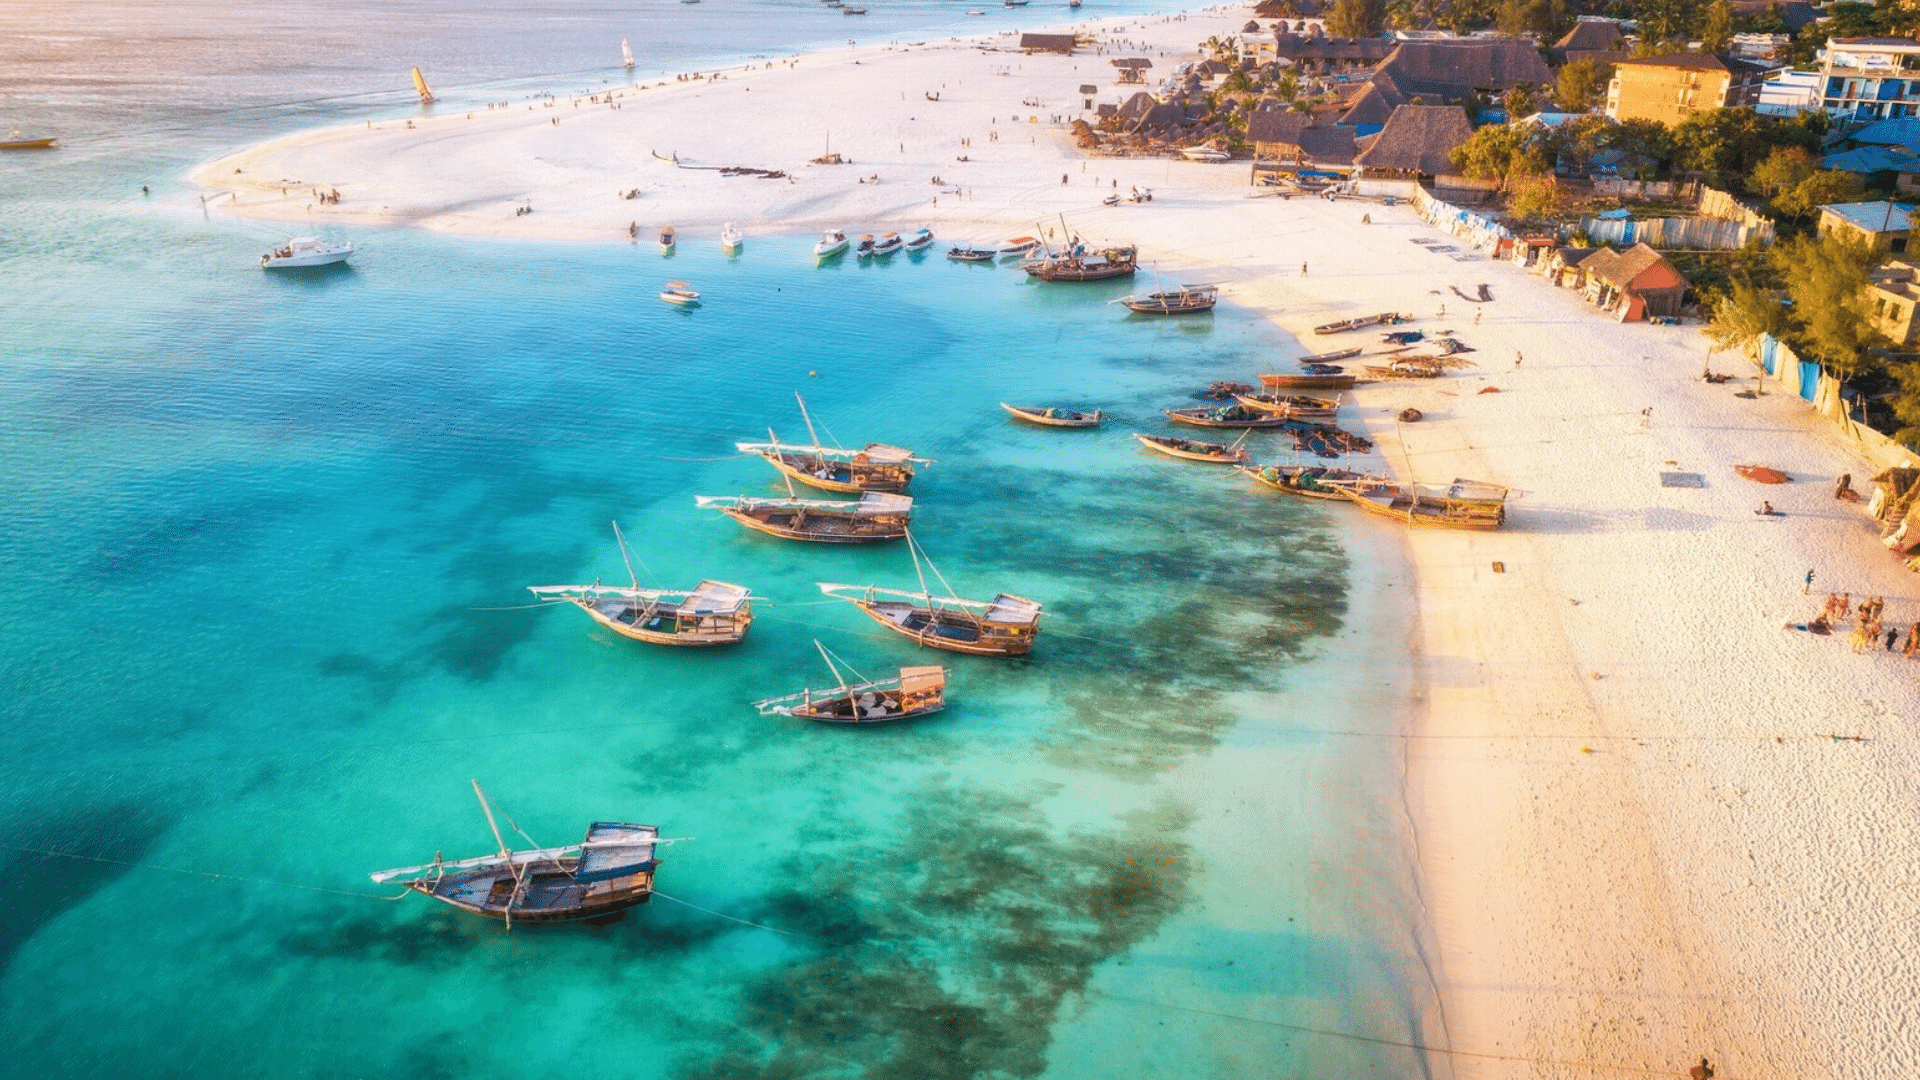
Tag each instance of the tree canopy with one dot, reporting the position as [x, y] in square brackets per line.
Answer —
[1582, 84]
[1827, 278]
[1356, 18]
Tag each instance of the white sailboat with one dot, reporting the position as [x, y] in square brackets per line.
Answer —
[626, 54]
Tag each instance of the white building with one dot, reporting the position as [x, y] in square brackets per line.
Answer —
[1789, 93]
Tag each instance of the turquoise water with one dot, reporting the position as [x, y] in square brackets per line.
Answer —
[265, 547]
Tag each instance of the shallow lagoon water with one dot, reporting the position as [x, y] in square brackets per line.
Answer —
[266, 544]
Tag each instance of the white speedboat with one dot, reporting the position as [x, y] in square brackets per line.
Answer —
[731, 239]
[667, 240]
[1019, 246]
[305, 251]
[833, 242]
[920, 240]
[679, 292]
[888, 244]
[864, 249]
[1204, 153]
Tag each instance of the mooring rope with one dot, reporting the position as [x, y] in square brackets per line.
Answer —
[201, 873]
[729, 918]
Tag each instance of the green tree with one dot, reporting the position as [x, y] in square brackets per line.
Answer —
[1716, 31]
[1823, 188]
[1662, 21]
[1905, 400]
[1783, 170]
[1519, 101]
[1827, 278]
[1645, 146]
[1535, 198]
[1746, 311]
[1502, 152]
[1722, 145]
[1582, 84]
[1356, 18]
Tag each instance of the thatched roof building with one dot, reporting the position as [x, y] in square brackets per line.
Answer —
[1053, 43]
[1417, 141]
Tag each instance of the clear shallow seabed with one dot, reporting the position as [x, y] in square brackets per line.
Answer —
[264, 547]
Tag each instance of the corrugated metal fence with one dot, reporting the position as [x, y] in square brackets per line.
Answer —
[1676, 233]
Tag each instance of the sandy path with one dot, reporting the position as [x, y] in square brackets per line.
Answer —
[1638, 843]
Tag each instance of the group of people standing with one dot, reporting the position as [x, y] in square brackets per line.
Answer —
[1868, 630]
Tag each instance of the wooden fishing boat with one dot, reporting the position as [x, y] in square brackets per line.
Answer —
[1080, 263]
[916, 691]
[1003, 626]
[1222, 390]
[1289, 405]
[1330, 357]
[1303, 381]
[1231, 416]
[20, 142]
[1463, 504]
[712, 613]
[608, 872]
[1053, 417]
[1181, 300]
[1019, 245]
[875, 467]
[1193, 449]
[876, 516]
[1311, 481]
[1411, 367]
[971, 254]
[1385, 318]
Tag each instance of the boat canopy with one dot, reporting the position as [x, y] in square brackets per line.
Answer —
[717, 598]
[1462, 491]
[615, 849]
[708, 598]
[874, 503]
[1008, 608]
[917, 679]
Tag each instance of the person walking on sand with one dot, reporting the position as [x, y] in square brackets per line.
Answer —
[1893, 635]
[1827, 609]
[1303, 269]
[1860, 638]
[1808, 587]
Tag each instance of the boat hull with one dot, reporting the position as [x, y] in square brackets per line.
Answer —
[1044, 417]
[841, 713]
[1214, 454]
[1225, 418]
[1304, 381]
[662, 629]
[1151, 306]
[1398, 507]
[1082, 273]
[953, 631]
[818, 527]
[549, 897]
[843, 477]
[296, 262]
[26, 144]
[1289, 409]
[1300, 481]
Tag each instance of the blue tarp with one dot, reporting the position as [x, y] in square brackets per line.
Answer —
[1809, 379]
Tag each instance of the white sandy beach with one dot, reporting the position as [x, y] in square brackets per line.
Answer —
[1639, 841]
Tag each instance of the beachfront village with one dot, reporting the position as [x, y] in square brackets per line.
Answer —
[1743, 167]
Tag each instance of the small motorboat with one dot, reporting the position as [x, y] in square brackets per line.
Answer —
[666, 240]
[833, 242]
[920, 240]
[864, 249]
[679, 292]
[971, 254]
[853, 11]
[975, 11]
[1050, 416]
[1204, 153]
[1018, 247]
[888, 244]
[305, 251]
[1015, 3]
[731, 238]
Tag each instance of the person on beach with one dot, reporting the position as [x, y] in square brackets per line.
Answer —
[1844, 608]
[1860, 638]
[1893, 635]
[1844, 486]
[1808, 587]
[1303, 269]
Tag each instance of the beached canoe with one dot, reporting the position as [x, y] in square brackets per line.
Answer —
[1053, 417]
[1193, 449]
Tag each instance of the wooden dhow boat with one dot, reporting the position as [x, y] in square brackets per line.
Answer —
[1180, 300]
[1003, 626]
[876, 516]
[17, 141]
[1306, 381]
[1054, 417]
[711, 613]
[1289, 405]
[875, 467]
[1312, 481]
[1231, 416]
[609, 871]
[1193, 449]
[1463, 504]
[1385, 318]
[916, 691]
[1081, 263]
